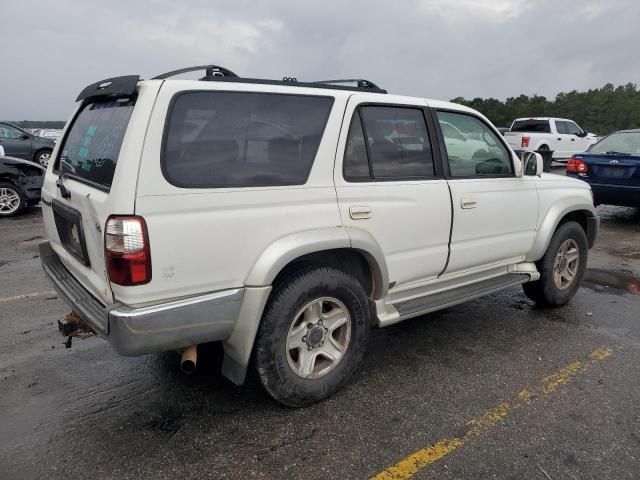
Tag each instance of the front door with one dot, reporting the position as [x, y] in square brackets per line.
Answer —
[389, 185]
[495, 212]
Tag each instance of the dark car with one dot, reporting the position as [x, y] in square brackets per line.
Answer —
[19, 143]
[612, 168]
[20, 185]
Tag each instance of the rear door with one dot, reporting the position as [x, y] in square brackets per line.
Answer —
[390, 185]
[94, 176]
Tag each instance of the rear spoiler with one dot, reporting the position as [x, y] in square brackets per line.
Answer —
[111, 87]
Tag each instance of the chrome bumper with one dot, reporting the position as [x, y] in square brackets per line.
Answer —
[161, 327]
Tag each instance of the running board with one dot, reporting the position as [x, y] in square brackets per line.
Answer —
[437, 301]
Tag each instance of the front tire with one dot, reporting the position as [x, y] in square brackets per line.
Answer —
[12, 200]
[561, 268]
[313, 335]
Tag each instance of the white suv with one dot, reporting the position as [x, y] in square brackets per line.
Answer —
[285, 219]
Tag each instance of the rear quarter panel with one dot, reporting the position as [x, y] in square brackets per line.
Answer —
[204, 240]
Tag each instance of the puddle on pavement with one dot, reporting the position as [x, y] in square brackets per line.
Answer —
[601, 280]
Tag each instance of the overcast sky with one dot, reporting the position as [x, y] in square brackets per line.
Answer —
[442, 49]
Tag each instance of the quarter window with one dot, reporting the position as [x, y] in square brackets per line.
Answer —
[238, 139]
[388, 143]
[473, 149]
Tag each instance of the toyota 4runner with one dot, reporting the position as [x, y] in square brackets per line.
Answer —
[285, 219]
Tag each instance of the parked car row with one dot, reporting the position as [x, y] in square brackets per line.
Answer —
[17, 142]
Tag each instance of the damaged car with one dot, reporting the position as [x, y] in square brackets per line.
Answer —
[20, 185]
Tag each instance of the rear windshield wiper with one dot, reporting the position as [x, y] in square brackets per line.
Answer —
[613, 152]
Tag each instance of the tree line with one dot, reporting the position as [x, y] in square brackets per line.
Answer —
[601, 110]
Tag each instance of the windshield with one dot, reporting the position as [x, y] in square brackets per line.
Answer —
[541, 126]
[91, 148]
[624, 142]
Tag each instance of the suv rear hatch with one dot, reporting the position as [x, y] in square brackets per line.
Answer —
[94, 176]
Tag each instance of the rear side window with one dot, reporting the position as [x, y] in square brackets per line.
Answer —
[388, 143]
[540, 126]
[238, 139]
[92, 145]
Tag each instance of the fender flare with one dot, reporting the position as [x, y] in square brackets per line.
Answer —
[272, 260]
[551, 221]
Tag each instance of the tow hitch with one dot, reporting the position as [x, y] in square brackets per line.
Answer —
[72, 326]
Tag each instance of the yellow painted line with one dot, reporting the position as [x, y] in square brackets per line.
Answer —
[409, 466]
[24, 296]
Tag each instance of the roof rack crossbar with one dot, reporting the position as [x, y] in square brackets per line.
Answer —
[360, 82]
[211, 72]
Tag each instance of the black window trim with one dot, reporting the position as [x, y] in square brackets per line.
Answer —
[63, 140]
[165, 135]
[443, 148]
[435, 148]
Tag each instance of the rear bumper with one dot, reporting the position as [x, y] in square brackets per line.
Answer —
[161, 327]
[623, 195]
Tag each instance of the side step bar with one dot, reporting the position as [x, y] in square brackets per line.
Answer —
[420, 306]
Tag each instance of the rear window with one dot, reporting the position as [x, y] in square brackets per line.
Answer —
[238, 139]
[541, 126]
[92, 145]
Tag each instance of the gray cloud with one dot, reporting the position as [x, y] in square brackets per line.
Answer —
[431, 48]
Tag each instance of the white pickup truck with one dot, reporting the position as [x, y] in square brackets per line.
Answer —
[563, 137]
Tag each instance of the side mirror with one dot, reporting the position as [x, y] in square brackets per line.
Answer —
[24, 136]
[532, 164]
[582, 134]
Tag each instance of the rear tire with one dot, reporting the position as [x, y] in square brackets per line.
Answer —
[313, 335]
[12, 200]
[42, 157]
[561, 268]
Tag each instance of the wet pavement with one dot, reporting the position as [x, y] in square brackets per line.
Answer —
[494, 388]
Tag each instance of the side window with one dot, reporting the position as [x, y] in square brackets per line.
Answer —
[473, 149]
[356, 162]
[572, 128]
[8, 132]
[397, 144]
[561, 127]
[242, 139]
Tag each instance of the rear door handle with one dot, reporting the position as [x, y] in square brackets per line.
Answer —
[467, 202]
[359, 212]
[559, 139]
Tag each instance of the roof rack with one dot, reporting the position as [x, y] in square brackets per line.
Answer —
[221, 74]
[212, 72]
[360, 82]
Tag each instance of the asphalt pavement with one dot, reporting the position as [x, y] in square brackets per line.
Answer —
[494, 388]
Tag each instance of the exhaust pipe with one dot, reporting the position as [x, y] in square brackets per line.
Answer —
[189, 359]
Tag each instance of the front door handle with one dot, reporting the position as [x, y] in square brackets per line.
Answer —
[559, 139]
[359, 212]
[466, 202]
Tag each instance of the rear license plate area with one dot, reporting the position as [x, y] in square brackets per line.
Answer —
[69, 226]
[612, 172]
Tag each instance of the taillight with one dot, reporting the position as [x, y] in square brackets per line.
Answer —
[525, 142]
[126, 247]
[576, 165]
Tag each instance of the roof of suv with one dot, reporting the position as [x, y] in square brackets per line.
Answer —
[127, 86]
